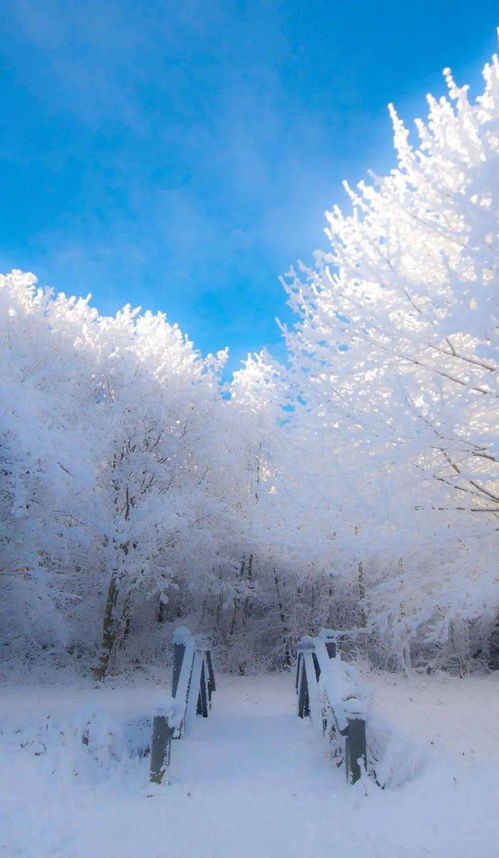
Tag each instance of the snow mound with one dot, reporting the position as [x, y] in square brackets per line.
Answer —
[393, 757]
[91, 746]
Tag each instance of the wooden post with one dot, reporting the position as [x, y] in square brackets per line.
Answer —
[298, 668]
[160, 748]
[331, 648]
[355, 749]
[178, 657]
[316, 666]
[202, 704]
[305, 644]
[208, 683]
[303, 698]
[211, 674]
[329, 638]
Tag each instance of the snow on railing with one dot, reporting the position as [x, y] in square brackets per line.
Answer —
[331, 694]
[193, 684]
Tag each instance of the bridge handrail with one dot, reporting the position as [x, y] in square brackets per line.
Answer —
[193, 683]
[332, 695]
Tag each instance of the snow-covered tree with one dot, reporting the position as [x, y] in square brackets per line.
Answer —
[109, 450]
[396, 352]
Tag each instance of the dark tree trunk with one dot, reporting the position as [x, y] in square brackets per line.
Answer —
[108, 628]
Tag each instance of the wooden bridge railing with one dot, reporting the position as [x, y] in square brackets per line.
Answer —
[330, 693]
[193, 684]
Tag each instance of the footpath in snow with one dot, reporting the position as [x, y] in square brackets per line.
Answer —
[251, 780]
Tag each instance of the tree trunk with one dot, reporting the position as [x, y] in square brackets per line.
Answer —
[115, 626]
[362, 597]
[108, 628]
[284, 625]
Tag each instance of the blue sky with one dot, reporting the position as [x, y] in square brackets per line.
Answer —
[180, 155]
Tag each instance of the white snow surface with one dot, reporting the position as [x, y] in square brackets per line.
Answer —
[251, 780]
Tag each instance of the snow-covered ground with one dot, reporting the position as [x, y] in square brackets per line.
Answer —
[252, 780]
[459, 716]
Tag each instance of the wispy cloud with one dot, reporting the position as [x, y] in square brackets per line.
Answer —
[181, 154]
